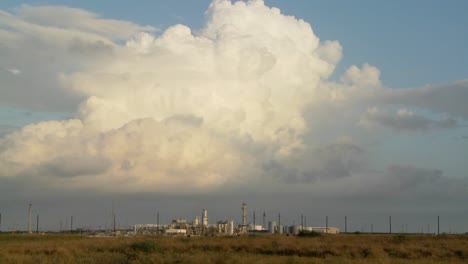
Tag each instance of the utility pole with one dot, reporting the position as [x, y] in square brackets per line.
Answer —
[113, 224]
[157, 221]
[71, 224]
[390, 222]
[372, 228]
[279, 219]
[438, 225]
[37, 224]
[0, 222]
[29, 219]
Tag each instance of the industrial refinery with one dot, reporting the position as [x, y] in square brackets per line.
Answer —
[195, 227]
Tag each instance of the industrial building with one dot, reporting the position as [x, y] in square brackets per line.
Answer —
[225, 227]
[201, 227]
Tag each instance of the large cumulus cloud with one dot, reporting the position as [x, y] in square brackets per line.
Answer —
[198, 110]
[245, 99]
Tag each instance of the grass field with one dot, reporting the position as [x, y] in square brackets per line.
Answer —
[344, 248]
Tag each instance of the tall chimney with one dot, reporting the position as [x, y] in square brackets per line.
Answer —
[205, 217]
[244, 214]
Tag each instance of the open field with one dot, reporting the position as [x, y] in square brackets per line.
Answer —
[344, 248]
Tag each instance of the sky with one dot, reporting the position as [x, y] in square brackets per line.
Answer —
[300, 107]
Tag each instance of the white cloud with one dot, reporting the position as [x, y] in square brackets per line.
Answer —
[14, 71]
[44, 41]
[177, 109]
[246, 100]
[80, 20]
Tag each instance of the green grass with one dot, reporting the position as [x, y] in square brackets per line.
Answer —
[349, 248]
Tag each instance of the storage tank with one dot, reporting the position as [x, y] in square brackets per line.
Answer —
[271, 227]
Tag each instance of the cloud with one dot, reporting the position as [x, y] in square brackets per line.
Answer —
[45, 41]
[176, 108]
[404, 120]
[14, 71]
[77, 19]
[4, 130]
[244, 101]
[442, 98]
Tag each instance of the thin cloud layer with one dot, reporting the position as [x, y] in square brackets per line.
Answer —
[404, 120]
[246, 100]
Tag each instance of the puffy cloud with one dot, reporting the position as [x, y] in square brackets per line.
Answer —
[367, 76]
[245, 100]
[179, 109]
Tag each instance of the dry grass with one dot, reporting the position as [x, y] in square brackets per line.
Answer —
[245, 249]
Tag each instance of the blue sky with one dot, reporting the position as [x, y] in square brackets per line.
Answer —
[235, 116]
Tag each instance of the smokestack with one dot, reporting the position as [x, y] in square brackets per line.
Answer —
[29, 220]
[345, 224]
[302, 222]
[244, 214]
[326, 224]
[264, 215]
[205, 217]
[254, 220]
